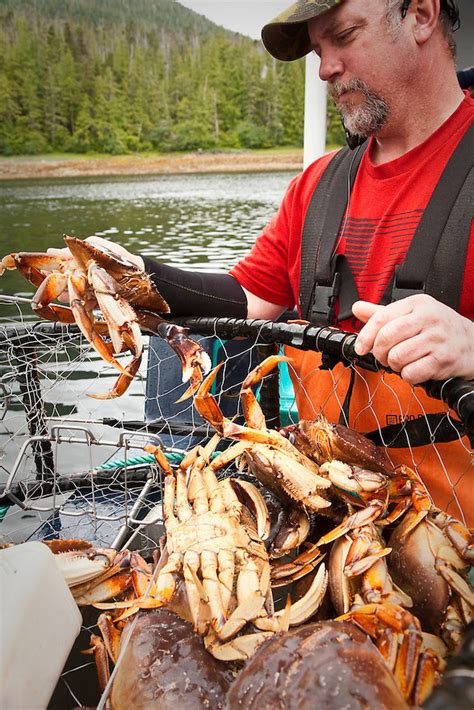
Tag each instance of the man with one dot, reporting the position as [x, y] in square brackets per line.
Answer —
[390, 69]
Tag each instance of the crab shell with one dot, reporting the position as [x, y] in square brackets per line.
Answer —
[165, 665]
[322, 441]
[412, 564]
[327, 665]
[135, 284]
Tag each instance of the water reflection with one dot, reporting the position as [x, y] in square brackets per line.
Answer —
[195, 221]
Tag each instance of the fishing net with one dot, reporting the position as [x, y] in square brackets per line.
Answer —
[72, 466]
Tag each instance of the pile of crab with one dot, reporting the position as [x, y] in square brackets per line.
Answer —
[360, 548]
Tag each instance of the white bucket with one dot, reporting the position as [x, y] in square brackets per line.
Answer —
[38, 625]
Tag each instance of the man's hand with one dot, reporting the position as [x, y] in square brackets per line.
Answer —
[418, 337]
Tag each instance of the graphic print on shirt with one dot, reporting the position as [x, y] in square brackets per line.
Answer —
[373, 247]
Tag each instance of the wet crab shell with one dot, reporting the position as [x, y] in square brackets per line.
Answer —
[329, 665]
[135, 284]
[322, 441]
[165, 665]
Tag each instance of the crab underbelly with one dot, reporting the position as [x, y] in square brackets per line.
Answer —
[206, 537]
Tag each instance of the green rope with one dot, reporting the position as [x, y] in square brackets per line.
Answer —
[173, 458]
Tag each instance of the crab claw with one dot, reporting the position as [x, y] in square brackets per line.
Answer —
[118, 313]
[189, 352]
[122, 383]
[77, 288]
[206, 404]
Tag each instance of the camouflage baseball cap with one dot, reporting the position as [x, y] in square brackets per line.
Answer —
[286, 37]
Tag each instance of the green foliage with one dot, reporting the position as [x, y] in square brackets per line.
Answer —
[334, 130]
[113, 76]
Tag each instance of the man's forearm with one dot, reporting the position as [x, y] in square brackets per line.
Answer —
[192, 293]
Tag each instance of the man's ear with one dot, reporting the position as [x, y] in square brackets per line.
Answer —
[424, 16]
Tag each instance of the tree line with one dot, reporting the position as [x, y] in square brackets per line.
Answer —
[83, 82]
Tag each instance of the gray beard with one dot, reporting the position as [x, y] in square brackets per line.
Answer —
[363, 120]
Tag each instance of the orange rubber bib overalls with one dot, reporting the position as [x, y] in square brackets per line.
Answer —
[414, 428]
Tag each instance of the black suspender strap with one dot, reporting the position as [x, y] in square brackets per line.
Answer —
[319, 280]
[436, 257]
[435, 260]
[446, 275]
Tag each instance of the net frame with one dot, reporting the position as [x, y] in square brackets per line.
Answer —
[138, 481]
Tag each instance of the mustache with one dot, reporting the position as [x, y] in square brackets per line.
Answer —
[339, 87]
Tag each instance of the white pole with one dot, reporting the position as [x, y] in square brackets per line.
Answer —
[314, 112]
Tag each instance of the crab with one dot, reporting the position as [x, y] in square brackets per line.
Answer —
[326, 664]
[358, 572]
[214, 570]
[374, 496]
[323, 441]
[125, 295]
[159, 660]
[415, 658]
[95, 574]
[431, 559]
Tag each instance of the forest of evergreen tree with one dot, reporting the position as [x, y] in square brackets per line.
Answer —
[90, 76]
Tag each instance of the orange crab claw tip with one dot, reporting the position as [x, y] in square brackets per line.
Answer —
[192, 389]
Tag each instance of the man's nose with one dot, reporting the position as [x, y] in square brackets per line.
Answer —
[331, 66]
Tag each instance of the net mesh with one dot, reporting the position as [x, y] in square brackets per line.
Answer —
[74, 467]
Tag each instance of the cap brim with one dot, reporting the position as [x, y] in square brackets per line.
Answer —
[286, 36]
[286, 42]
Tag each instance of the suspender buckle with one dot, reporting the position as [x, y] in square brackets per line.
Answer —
[323, 310]
[399, 291]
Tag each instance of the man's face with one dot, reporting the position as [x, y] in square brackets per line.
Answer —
[360, 60]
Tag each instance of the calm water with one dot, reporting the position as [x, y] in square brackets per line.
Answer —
[196, 221]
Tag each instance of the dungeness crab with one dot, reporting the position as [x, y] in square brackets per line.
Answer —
[163, 663]
[126, 296]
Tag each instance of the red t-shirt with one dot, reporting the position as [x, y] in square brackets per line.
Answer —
[385, 207]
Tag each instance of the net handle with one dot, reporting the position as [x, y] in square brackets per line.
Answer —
[337, 346]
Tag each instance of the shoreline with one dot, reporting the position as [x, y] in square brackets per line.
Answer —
[45, 166]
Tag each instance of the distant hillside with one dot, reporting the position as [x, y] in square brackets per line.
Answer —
[147, 15]
[117, 76]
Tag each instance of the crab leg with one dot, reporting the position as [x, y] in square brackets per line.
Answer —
[211, 586]
[371, 618]
[183, 509]
[77, 287]
[356, 520]
[123, 381]
[458, 534]
[255, 501]
[251, 408]
[304, 608]
[32, 264]
[280, 472]
[101, 659]
[226, 566]
[118, 313]
[429, 665]
[190, 353]
[249, 596]
[302, 565]
[240, 648]
[194, 588]
[53, 286]
[110, 635]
